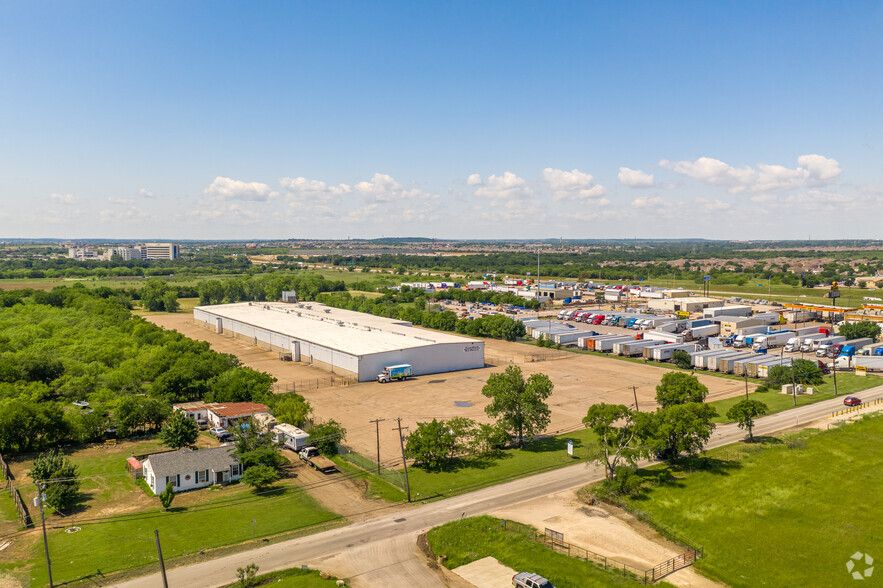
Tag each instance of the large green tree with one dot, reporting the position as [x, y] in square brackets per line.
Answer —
[260, 477]
[325, 435]
[179, 431]
[678, 429]
[58, 478]
[241, 385]
[619, 436]
[291, 408]
[745, 412]
[431, 444]
[679, 388]
[518, 405]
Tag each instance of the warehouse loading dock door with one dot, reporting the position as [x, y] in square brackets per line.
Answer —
[295, 351]
[220, 326]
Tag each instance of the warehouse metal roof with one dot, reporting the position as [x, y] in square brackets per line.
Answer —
[348, 331]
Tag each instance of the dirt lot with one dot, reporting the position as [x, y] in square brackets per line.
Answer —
[618, 536]
[580, 381]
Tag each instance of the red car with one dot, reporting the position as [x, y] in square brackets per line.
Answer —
[852, 401]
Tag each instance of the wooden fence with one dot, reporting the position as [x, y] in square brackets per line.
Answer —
[23, 514]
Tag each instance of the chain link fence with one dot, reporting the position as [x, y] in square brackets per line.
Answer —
[394, 477]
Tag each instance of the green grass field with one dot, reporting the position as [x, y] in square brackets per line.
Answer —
[541, 455]
[117, 528]
[376, 488]
[471, 539]
[780, 514]
[778, 293]
[846, 384]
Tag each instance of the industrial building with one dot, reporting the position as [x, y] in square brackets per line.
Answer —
[144, 251]
[685, 304]
[342, 341]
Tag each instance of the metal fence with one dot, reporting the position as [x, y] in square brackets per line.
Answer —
[23, 514]
[332, 381]
[555, 540]
[526, 357]
[394, 477]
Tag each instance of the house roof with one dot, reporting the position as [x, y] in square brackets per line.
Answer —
[188, 460]
[190, 406]
[234, 409]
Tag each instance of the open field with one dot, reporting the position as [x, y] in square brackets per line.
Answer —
[780, 513]
[478, 537]
[776, 402]
[580, 380]
[116, 518]
[779, 292]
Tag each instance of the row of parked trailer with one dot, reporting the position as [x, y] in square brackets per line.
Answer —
[635, 321]
[740, 363]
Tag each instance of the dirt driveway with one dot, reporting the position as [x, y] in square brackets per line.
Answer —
[616, 536]
[580, 381]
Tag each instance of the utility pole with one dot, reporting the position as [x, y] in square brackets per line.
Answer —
[41, 498]
[162, 564]
[377, 423]
[635, 392]
[746, 385]
[404, 461]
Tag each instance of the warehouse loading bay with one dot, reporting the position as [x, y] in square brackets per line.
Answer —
[580, 381]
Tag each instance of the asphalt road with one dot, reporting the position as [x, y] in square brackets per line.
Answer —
[381, 551]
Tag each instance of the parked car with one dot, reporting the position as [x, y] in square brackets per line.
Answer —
[218, 431]
[203, 424]
[529, 580]
[852, 401]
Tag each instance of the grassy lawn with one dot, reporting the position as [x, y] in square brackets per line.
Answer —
[292, 578]
[475, 538]
[126, 541]
[471, 474]
[780, 514]
[776, 402]
[779, 292]
[117, 518]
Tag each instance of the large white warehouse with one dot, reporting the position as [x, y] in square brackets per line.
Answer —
[342, 341]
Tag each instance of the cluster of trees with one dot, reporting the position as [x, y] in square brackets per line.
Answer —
[518, 405]
[859, 330]
[801, 371]
[72, 344]
[682, 425]
[58, 479]
[265, 287]
[495, 326]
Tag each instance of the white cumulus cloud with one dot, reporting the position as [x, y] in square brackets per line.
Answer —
[571, 185]
[811, 170]
[302, 187]
[504, 187]
[68, 199]
[474, 180]
[634, 178]
[229, 189]
[145, 193]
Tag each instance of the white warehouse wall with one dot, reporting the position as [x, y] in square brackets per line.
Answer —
[432, 359]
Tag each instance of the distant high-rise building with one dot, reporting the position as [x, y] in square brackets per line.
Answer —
[159, 251]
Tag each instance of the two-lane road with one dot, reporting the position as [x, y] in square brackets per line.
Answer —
[376, 550]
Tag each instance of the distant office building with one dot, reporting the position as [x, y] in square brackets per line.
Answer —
[82, 253]
[144, 251]
[159, 251]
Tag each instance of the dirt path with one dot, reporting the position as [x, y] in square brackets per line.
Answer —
[337, 493]
[620, 536]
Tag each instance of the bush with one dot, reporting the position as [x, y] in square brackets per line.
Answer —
[260, 477]
[682, 359]
[626, 482]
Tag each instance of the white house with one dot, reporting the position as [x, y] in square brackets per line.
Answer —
[187, 469]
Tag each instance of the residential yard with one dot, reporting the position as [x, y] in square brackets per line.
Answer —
[117, 518]
[472, 474]
[471, 539]
[776, 402]
[784, 512]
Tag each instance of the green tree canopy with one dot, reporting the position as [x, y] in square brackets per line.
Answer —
[682, 359]
[58, 478]
[859, 330]
[679, 388]
[260, 477]
[291, 408]
[431, 444]
[619, 438]
[745, 412]
[326, 435]
[179, 431]
[678, 429]
[519, 407]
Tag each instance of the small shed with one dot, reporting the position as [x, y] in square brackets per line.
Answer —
[133, 466]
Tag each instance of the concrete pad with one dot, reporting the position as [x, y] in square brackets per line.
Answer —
[486, 572]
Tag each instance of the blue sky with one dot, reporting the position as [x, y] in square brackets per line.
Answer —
[444, 119]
